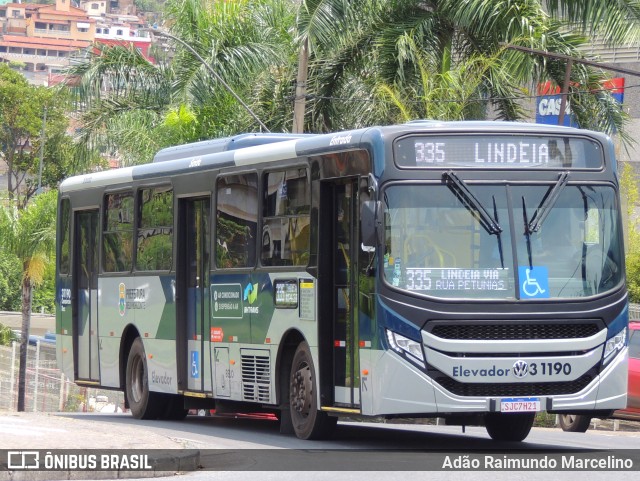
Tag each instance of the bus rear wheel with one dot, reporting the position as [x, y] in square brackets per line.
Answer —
[143, 403]
[308, 422]
[509, 427]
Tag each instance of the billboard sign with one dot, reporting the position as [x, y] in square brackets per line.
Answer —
[549, 100]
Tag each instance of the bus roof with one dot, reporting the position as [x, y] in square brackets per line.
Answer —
[213, 146]
[253, 148]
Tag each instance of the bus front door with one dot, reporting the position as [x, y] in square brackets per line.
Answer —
[85, 304]
[338, 284]
[193, 319]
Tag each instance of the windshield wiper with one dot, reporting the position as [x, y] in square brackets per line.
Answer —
[471, 202]
[549, 200]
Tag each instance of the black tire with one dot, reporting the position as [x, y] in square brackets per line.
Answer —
[174, 408]
[308, 422]
[143, 403]
[575, 423]
[509, 427]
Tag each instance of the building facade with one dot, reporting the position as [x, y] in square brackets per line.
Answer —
[43, 38]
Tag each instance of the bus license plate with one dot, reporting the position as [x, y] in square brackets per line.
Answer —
[520, 405]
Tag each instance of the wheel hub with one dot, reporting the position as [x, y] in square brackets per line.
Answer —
[301, 391]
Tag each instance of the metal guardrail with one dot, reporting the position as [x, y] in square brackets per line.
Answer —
[634, 312]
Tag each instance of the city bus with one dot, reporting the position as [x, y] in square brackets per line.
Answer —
[467, 271]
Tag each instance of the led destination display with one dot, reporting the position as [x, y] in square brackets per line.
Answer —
[503, 151]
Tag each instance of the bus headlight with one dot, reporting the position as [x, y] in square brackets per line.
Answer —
[408, 348]
[614, 345]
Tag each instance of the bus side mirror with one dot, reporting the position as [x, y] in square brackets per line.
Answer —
[369, 223]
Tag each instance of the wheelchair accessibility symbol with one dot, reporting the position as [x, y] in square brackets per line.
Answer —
[195, 364]
[534, 282]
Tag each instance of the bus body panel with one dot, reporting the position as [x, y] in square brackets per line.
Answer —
[225, 339]
[110, 361]
[396, 387]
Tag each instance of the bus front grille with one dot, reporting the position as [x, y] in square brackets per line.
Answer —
[514, 388]
[515, 331]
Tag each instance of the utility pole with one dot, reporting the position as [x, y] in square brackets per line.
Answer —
[42, 139]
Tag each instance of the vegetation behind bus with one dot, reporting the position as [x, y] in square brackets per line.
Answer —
[630, 196]
[368, 65]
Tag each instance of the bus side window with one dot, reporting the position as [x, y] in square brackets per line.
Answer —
[285, 226]
[117, 238]
[236, 220]
[64, 232]
[155, 229]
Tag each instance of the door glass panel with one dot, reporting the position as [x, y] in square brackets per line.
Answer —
[155, 231]
[117, 237]
[237, 221]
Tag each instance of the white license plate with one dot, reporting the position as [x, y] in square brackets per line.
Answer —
[520, 405]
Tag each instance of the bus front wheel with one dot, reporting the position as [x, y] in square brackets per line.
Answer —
[509, 427]
[308, 422]
[575, 423]
[143, 403]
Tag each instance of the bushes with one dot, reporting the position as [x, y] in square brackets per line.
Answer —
[10, 278]
[11, 289]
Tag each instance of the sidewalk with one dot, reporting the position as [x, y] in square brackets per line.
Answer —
[614, 425]
[48, 431]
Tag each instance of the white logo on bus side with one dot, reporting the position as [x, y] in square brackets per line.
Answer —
[340, 139]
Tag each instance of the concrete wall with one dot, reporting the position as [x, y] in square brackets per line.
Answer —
[40, 323]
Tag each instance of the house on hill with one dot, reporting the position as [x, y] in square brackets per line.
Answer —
[44, 37]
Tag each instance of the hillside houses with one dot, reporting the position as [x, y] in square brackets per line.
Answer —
[44, 38]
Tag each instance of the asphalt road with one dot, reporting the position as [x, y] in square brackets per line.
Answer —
[244, 448]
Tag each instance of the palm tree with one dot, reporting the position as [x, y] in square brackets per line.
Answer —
[29, 234]
[136, 108]
[427, 99]
[356, 49]
[389, 42]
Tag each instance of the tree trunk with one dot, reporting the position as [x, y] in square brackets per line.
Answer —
[9, 161]
[299, 104]
[24, 342]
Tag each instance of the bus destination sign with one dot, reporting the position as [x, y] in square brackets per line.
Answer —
[437, 280]
[499, 152]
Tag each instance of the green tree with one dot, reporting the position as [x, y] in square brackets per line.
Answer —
[44, 293]
[29, 234]
[425, 99]
[10, 280]
[631, 196]
[422, 53]
[136, 108]
[22, 108]
[391, 43]
[148, 6]
[6, 335]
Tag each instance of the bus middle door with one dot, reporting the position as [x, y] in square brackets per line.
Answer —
[194, 355]
[85, 301]
[338, 284]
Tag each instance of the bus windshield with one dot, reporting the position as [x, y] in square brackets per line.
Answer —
[445, 244]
